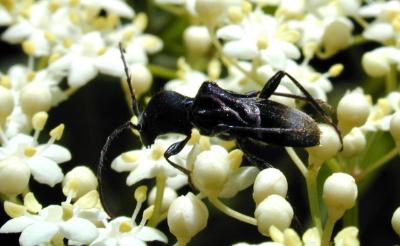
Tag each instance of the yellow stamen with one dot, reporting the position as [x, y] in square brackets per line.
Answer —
[157, 152]
[29, 151]
[5, 81]
[57, 132]
[262, 42]
[67, 42]
[195, 136]
[235, 14]
[148, 212]
[14, 210]
[50, 36]
[129, 157]
[89, 200]
[39, 120]
[141, 21]
[67, 211]
[31, 75]
[246, 7]
[141, 193]
[53, 57]
[235, 159]
[125, 227]
[336, 70]
[204, 142]
[31, 203]
[28, 47]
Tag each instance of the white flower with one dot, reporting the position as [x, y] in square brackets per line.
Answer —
[258, 34]
[217, 173]
[353, 110]
[124, 231]
[69, 221]
[41, 28]
[83, 178]
[148, 163]
[269, 181]
[384, 28]
[377, 62]
[347, 236]
[80, 59]
[328, 147]
[188, 82]
[197, 39]
[339, 193]
[187, 216]
[353, 143]
[118, 7]
[42, 159]
[273, 211]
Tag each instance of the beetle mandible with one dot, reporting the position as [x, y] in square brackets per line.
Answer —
[250, 119]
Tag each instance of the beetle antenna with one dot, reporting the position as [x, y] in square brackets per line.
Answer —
[103, 154]
[134, 105]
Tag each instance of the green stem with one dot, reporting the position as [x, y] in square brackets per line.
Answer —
[311, 181]
[327, 233]
[160, 185]
[161, 71]
[333, 165]
[296, 160]
[391, 79]
[350, 218]
[232, 213]
[379, 163]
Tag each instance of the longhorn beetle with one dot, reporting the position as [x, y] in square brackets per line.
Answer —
[249, 118]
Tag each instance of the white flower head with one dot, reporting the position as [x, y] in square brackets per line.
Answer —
[148, 163]
[42, 159]
[69, 221]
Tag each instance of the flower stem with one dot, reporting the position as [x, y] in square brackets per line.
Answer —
[350, 218]
[379, 163]
[160, 185]
[327, 233]
[161, 71]
[311, 181]
[232, 213]
[391, 79]
[296, 160]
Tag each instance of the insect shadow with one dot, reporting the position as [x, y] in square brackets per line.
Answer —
[250, 119]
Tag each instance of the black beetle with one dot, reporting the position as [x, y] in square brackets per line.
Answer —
[250, 119]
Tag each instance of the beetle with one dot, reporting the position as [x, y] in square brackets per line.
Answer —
[250, 119]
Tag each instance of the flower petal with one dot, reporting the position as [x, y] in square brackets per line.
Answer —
[80, 230]
[130, 240]
[17, 33]
[38, 233]
[16, 225]
[110, 63]
[45, 171]
[55, 152]
[230, 32]
[151, 234]
[82, 70]
[240, 49]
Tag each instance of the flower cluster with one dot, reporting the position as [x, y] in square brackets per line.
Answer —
[241, 45]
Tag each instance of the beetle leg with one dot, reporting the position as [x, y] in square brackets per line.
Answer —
[273, 83]
[175, 149]
[261, 163]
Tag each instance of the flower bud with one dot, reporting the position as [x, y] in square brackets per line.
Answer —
[35, 97]
[339, 193]
[329, 145]
[353, 110]
[337, 35]
[273, 210]
[197, 39]
[376, 63]
[6, 103]
[347, 236]
[210, 172]
[209, 10]
[141, 78]
[14, 176]
[395, 126]
[269, 181]
[353, 143]
[85, 181]
[187, 216]
[396, 221]
[168, 197]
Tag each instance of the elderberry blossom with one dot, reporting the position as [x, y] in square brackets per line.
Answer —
[385, 27]
[273, 211]
[217, 173]
[76, 222]
[269, 181]
[80, 180]
[148, 163]
[187, 216]
[42, 159]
